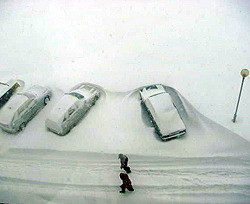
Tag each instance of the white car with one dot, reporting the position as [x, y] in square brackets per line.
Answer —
[22, 107]
[162, 111]
[7, 90]
[71, 108]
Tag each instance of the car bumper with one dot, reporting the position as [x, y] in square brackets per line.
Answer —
[8, 129]
[173, 135]
[57, 132]
[54, 127]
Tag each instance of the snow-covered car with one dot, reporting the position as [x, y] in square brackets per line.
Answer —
[7, 90]
[162, 111]
[71, 108]
[22, 107]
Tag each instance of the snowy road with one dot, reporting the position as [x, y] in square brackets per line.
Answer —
[58, 177]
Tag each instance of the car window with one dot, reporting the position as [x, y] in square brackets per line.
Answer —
[20, 111]
[31, 103]
[15, 117]
[77, 95]
[65, 117]
[71, 111]
[87, 88]
[16, 85]
[151, 87]
[28, 103]
[24, 107]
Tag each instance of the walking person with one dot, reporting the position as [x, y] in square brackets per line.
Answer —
[124, 162]
[126, 183]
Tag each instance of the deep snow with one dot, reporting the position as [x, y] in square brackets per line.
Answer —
[119, 123]
[196, 47]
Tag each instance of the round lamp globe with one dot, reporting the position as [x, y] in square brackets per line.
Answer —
[244, 73]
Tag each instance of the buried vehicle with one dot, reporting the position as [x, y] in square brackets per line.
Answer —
[162, 111]
[71, 108]
[7, 90]
[22, 107]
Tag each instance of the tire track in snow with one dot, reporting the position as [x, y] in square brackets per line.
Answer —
[162, 178]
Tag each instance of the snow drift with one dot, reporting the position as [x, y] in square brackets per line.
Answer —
[118, 123]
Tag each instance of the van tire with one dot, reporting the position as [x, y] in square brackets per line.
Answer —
[46, 100]
[21, 127]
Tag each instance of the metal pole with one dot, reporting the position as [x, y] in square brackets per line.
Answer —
[235, 114]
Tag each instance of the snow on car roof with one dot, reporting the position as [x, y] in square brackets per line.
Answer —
[165, 114]
[62, 107]
[7, 112]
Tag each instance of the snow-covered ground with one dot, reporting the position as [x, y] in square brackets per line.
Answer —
[75, 177]
[196, 47]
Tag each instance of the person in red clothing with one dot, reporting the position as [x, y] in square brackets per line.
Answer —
[126, 183]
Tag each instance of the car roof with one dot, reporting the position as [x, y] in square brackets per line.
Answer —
[165, 114]
[8, 111]
[161, 102]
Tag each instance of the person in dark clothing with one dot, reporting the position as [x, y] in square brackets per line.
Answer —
[124, 162]
[126, 183]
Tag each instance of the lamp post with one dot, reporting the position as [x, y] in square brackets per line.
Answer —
[244, 73]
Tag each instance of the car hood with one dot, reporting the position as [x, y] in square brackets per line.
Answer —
[8, 111]
[37, 91]
[62, 107]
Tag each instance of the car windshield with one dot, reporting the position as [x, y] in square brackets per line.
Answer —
[87, 88]
[77, 95]
[151, 87]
